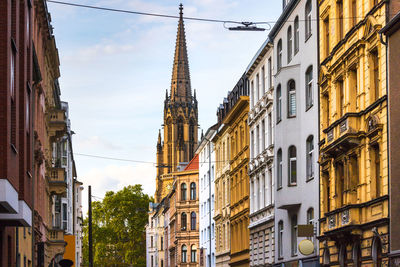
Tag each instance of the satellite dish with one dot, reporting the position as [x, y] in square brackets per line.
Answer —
[66, 263]
[306, 247]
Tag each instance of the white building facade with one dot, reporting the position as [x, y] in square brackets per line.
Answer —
[151, 249]
[261, 173]
[78, 221]
[295, 43]
[206, 153]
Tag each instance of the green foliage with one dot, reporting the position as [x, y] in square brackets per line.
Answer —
[118, 229]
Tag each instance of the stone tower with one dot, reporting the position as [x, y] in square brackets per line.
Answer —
[180, 117]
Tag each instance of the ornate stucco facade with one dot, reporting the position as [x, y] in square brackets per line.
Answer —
[222, 190]
[180, 119]
[353, 134]
[236, 118]
[260, 121]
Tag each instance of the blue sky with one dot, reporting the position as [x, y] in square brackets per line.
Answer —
[116, 67]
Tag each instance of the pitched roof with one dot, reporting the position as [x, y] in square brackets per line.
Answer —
[193, 164]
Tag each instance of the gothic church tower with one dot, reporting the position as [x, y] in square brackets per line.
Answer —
[180, 117]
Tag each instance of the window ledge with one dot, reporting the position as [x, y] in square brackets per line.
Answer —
[291, 117]
[309, 107]
[307, 37]
[14, 149]
[292, 185]
[308, 179]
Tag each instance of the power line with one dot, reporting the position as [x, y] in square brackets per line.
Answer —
[186, 18]
[140, 161]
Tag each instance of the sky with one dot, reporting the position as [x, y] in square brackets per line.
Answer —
[116, 67]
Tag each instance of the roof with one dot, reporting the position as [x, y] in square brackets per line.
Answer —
[257, 57]
[392, 26]
[282, 19]
[193, 164]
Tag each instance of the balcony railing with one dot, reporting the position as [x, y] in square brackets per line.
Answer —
[57, 181]
[56, 235]
[57, 122]
[345, 132]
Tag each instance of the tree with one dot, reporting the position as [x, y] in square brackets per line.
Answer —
[118, 227]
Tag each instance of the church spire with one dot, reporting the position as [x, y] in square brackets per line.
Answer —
[180, 84]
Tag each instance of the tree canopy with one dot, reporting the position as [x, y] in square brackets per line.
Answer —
[118, 228]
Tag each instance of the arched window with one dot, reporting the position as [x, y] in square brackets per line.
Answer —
[296, 35]
[184, 253]
[179, 134]
[183, 191]
[291, 98]
[279, 169]
[169, 129]
[278, 103]
[191, 138]
[193, 251]
[342, 255]
[377, 252]
[289, 44]
[193, 221]
[308, 19]
[292, 165]
[279, 55]
[310, 157]
[183, 221]
[193, 191]
[357, 255]
[280, 239]
[309, 87]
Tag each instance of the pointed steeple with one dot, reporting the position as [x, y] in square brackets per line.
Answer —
[180, 84]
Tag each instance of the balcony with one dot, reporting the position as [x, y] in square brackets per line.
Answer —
[57, 122]
[343, 135]
[55, 241]
[57, 181]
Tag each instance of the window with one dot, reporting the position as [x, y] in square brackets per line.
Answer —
[340, 184]
[292, 168]
[258, 139]
[309, 87]
[269, 129]
[278, 103]
[325, 108]
[280, 239]
[374, 76]
[257, 87]
[342, 255]
[252, 93]
[340, 92]
[269, 73]
[376, 169]
[353, 12]
[263, 80]
[193, 221]
[289, 44]
[162, 243]
[193, 253]
[152, 261]
[354, 171]
[262, 135]
[377, 252]
[310, 157]
[183, 191]
[326, 29]
[327, 191]
[294, 234]
[296, 35]
[353, 89]
[252, 144]
[151, 241]
[310, 216]
[291, 98]
[193, 191]
[279, 170]
[308, 19]
[279, 52]
[184, 253]
[13, 129]
[183, 221]
[339, 5]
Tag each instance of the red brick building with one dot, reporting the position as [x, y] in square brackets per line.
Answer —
[16, 131]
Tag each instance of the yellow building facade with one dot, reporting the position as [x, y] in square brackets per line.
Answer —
[239, 184]
[24, 246]
[353, 134]
[222, 196]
